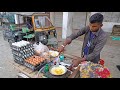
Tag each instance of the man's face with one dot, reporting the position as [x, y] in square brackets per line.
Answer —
[94, 27]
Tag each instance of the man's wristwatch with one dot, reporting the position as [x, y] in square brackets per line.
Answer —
[63, 46]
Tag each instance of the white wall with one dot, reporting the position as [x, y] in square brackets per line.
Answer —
[58, 19]
[107, 26]
[78, 19]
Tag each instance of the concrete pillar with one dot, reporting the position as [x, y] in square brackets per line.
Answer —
[16, 18]
[52, 17]
[87, 18]
[67, 24]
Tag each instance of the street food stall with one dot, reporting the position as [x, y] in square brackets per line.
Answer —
[51, 64]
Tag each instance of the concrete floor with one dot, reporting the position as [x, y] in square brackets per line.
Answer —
[110, 53]
[6, 69]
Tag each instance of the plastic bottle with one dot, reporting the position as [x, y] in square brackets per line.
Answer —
[46, 69]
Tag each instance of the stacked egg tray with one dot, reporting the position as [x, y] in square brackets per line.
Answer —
[35, 62]
[21, 53]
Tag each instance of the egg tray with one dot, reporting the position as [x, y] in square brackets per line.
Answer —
[37, 67]
[22, 48]
[22, 55]
[19, 59]
[19, 62]
[23, 51]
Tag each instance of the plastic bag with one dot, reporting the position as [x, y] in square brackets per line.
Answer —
[40, 48]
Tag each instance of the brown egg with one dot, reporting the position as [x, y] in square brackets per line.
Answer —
[33, 63]
[38, 60]
[30, 62]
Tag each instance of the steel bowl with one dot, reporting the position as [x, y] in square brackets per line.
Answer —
[58, 70]
[53, 53]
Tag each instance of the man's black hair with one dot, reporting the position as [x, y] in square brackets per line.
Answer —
[96, 18]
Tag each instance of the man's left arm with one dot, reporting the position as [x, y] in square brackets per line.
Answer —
[100, 44]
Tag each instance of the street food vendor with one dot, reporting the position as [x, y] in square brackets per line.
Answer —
[94, 40]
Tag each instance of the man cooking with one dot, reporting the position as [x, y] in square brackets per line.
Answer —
[94, 40]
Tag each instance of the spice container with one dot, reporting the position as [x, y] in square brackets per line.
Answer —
[61, 57]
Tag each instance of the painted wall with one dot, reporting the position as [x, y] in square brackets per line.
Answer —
[78, 19]
[107, 26]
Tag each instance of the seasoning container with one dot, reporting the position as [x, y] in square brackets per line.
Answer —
[61, 57]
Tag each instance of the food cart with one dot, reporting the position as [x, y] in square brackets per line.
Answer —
[25, 72]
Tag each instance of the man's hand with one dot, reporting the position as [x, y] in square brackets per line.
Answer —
[67, 41]
[76, 61]
[60, 49]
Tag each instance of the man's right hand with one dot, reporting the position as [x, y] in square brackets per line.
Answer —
[60, 49]
[67, 41]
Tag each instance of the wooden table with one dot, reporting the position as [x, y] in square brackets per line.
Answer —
[25, 72]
